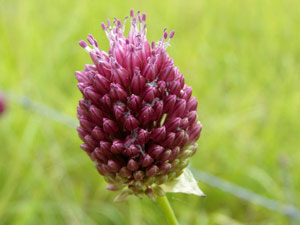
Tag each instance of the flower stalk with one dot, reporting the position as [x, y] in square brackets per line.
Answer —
[167, 209]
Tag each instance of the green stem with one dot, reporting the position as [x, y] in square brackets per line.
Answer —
[166, 207]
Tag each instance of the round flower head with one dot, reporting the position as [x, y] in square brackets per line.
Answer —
[137, 118]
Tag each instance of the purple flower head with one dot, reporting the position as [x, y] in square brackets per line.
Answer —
[137, 118]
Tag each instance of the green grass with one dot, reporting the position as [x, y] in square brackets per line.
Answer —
[242, 59]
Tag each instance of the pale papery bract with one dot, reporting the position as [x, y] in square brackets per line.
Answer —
[137, 118]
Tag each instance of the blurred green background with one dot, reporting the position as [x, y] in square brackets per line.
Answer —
[242, 59]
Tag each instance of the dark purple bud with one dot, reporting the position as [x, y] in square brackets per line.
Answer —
[87, 125]
[179, 108]
[179, 138]
[194, 132]
[150, 72]
[119, 112]
[137, 84]
[149, 94]
[172, 124]
[147, 161]
[84, 104]
[155, 151]
[184, 123]
[121, 76]
[161, 86]
[180, 78]
[187, 92]
[96, 114]
[134, 103]
[165, 155]
[90, 141]
[102, 84]
[117, 92]
[113, 166]
[101, 170]
[81, 112]
[86, 148]
[191, 104]
[152, 171]
[117, 147]
[81, 77]
[143, 136]
[132, 150]
[132, 165]
[169, 103]
[175, 153]
[168, 142]
[81, 132]
[164, 168]
[185, 140]
[92, 94]
[139, 175]
[158, 134]
[131, 123]
[98, 133]
[146, 115]
[110, 126]
[192, 117]
[168, 74]
[97, 156]
[158, 110]
[105, 146]
[106, 101]
[175, 87]
[124, 172]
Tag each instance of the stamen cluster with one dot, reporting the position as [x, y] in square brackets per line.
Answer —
[137, 118]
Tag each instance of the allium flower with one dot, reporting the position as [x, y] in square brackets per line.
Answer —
[137, 118]
[2, 105]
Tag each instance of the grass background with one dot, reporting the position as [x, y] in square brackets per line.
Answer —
[242, 59]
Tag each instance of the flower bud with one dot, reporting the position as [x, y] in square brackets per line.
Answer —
[147, 161]
[131, 123]
[110, 126]
[102, 84]
[137, 84]
[132, 165]
[134, 103]
[117, 147]
[158, 134]
[132, 150]
[143, 136]
[117, 92]
[173, 124]
[146, 115]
